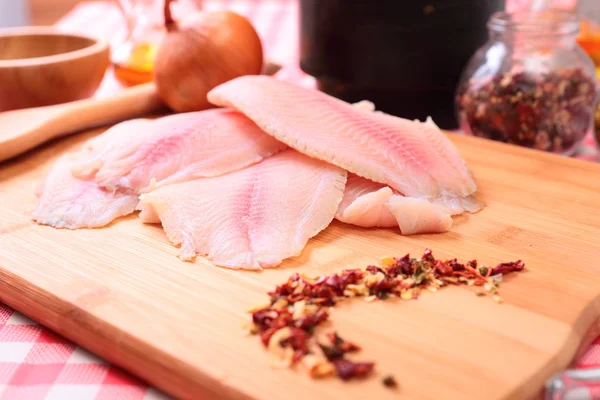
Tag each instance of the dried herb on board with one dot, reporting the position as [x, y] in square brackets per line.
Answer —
[389, 381]
[548, 111]
[288, 324]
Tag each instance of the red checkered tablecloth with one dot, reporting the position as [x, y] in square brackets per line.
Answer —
[37, 364]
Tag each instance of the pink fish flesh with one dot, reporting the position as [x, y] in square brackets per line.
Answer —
[68, 202]
[418, 215]
[365, 204]
[253, 218]
[369, 204]
[184, 146]
[413, 158]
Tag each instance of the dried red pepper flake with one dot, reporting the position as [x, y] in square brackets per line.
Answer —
[456, 266]
[506, 268]
[309, 322]
[265, 336]
[471, 267]
[338, 348]
[443, 269]
[297, 340]
[298, 355]
[401, 267]
[389, 381]
[332, 352]
[336, 284]
[263, 318]
[374, 269]
[352, 276]
[334, 338]
[383, 288]
[347, 369]
[350, 347]
[300, 305]
[325, 292]
[428, 256]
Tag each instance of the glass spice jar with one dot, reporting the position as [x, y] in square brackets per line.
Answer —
[531, 84]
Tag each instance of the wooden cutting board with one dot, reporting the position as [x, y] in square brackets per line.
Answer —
[122, 293]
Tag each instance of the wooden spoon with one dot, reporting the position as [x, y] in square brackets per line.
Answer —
[22, 130]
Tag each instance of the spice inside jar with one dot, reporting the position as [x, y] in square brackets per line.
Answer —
[530, 84]
[547, 111]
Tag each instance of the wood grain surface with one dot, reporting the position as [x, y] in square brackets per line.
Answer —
[122, 293]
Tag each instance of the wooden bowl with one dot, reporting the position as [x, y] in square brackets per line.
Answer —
[41, 66]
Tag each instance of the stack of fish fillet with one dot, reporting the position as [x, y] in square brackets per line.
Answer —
[248, 184]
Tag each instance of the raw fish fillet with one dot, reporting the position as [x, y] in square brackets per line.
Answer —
[181, 147]
[253, 218]
[365, 204]
[419, 215]
[369, 204]
[414, 158]
[68, 202]
[114, 143]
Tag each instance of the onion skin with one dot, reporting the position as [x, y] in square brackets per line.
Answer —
[201, 53]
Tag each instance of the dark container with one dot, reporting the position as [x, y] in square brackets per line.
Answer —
[406, 56]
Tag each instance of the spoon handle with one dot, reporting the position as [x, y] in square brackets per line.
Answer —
[91, 113]
[34, 126]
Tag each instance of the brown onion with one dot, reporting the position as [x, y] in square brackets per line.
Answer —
[200, 53]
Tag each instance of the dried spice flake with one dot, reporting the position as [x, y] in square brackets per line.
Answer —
[287, 325]
[389, 381]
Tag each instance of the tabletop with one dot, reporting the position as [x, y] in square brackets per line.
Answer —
[35, 363]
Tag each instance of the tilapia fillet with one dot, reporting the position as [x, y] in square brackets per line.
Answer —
[253, 218]
[365, 204]
[181, 147]
[117, 142]
[413, 158]
[369, 204]
[65, 201]
[68, 202]
[419, 215]
[102, 181]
